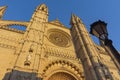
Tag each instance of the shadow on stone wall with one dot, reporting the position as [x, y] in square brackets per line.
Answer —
[21, 75]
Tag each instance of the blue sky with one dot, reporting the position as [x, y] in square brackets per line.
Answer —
[88, 10]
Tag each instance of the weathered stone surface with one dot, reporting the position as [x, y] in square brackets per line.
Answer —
[51, 51]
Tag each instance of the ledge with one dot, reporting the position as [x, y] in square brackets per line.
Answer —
[12, 29]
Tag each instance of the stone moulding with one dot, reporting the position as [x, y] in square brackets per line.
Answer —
[58, 64]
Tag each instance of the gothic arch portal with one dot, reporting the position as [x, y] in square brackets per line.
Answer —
[62, 70]
[61, 76]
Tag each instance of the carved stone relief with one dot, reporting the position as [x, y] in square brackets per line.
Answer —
[59, 38]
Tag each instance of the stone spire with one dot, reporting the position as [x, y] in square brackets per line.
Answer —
[41, 14]
[72, 21]
[43, 7]
[75, 19]
[2, 10]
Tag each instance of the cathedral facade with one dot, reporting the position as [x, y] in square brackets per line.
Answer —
[47, 50]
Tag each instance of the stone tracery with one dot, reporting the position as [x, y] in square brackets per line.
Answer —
[59, 38]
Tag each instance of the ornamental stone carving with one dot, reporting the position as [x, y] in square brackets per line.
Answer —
[59, 38]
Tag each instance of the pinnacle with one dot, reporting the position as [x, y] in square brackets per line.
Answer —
[75, 19]
[2, 10]
[42, 7]
[3, 7]
[72, 21]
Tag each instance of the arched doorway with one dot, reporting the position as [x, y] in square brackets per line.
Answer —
[61, 76]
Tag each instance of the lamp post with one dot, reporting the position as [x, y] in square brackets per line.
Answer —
[99, 29]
